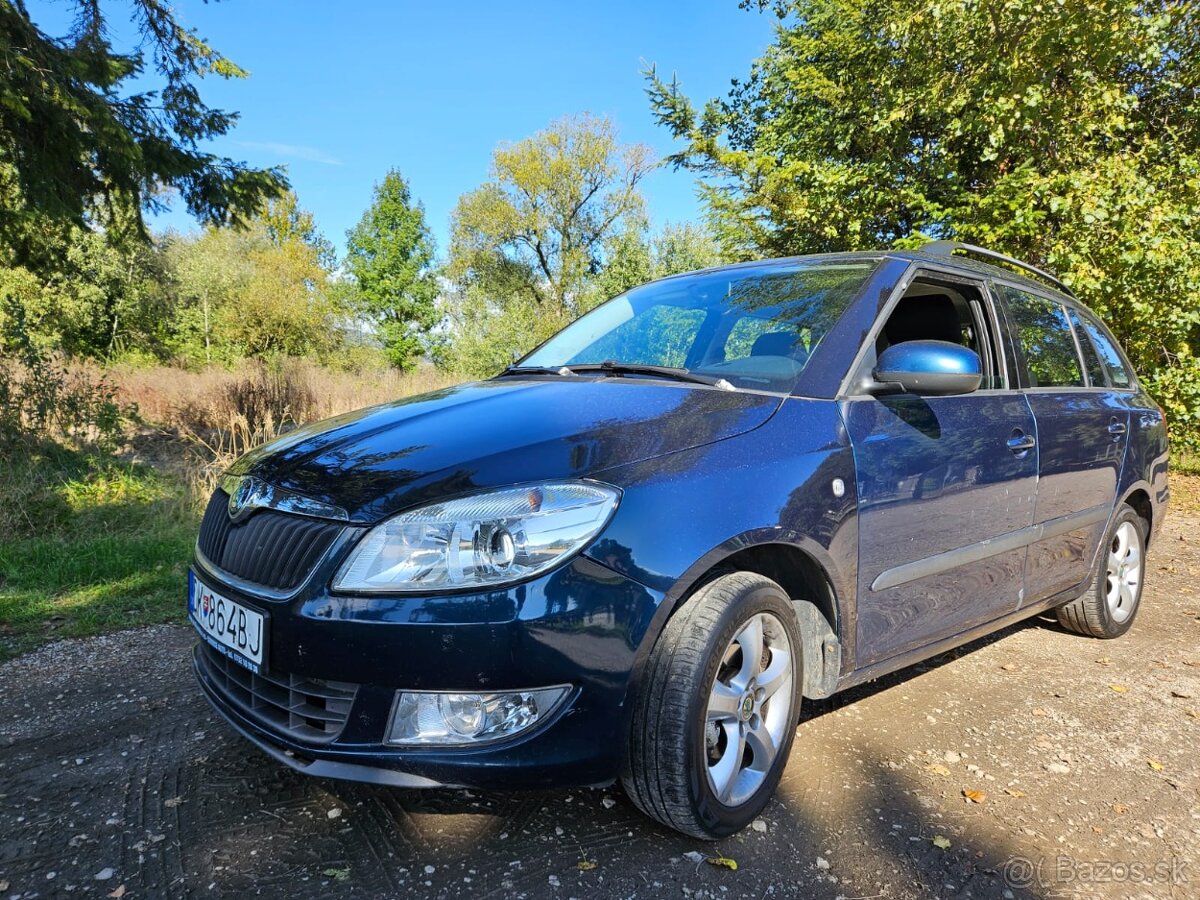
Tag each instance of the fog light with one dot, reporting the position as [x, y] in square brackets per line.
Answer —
[429, 718]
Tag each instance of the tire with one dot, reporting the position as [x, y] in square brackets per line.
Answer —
[1110, 604]
[678, 768]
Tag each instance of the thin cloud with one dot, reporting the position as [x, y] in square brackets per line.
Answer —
[293, 151]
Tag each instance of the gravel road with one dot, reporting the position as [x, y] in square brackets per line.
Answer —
[116, 780]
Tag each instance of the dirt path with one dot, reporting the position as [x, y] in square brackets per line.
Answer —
[117, 780]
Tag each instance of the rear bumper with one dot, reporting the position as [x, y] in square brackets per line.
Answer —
[581, 625]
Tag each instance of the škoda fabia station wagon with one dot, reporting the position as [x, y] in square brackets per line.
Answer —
[634, 553]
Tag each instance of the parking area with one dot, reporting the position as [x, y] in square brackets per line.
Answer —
[1034, 763]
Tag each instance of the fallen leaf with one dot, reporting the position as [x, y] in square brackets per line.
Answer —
[725, 861]
[1155, 765]
[586, 865]
[974, 796]
[941, 841]
[1014, 792]
[337, 874]
[119, 892]
[1120, 809]
[1119, 688]
[172, 802]
[937, 769]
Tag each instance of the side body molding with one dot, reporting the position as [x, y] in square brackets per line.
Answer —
[1014, 540]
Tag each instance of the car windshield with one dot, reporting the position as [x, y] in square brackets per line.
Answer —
[756, 327]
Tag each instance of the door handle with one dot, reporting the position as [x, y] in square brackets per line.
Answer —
[1116, 428]
[1021, 443]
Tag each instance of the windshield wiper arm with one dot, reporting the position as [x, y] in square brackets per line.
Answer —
[612, 367]
[535, 370]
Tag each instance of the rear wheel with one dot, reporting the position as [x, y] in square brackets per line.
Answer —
[1108, 607]
[716, 712]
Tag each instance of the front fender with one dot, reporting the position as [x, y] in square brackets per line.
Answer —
[681, 516]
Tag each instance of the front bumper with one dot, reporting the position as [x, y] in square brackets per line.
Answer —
[580, 625]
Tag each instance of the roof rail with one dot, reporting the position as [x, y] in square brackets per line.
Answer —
[949, 248]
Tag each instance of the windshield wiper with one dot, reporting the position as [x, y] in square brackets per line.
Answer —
[535, 370]
[612, 367]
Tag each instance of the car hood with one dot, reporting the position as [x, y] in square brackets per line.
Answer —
[380, 460]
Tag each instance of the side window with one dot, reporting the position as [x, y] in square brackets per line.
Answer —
[1091, 362]
[1118, 372]
[933, 309]
[1046, 340]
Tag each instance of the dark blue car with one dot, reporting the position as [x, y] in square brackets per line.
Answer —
[634, 553]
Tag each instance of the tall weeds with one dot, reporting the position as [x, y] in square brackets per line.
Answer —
[221, 413]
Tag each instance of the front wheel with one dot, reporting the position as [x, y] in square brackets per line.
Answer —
[1107, 608]
[716, 712]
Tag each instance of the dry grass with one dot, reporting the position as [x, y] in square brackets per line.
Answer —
[221, 413]
[294, 390]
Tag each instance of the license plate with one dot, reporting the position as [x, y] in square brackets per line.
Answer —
[235, 630]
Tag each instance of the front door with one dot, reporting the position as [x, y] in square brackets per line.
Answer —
[946, 485]
[939, 489]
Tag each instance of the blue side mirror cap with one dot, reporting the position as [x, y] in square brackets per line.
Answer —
[931, 368]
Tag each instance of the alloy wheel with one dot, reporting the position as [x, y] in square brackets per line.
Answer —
[1124, 571]
[749, 709]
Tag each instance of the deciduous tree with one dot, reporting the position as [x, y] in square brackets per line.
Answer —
[538, 227]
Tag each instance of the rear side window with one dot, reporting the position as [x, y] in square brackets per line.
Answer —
[1118, 371]
[1091, 362]
[1046, 340]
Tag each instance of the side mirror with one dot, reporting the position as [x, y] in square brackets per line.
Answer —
[932, 368]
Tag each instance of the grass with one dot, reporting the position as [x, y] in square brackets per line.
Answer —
[88, 544]
[91, 543]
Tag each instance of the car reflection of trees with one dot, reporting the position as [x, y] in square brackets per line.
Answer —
[1045, 337]
[690, 323]
[937, 455]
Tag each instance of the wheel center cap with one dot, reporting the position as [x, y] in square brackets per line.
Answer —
[746, 709]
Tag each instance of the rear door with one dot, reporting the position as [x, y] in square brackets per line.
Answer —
[1082, 428]
[946, 485]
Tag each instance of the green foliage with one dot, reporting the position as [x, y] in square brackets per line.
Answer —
[81, 140]
[259, 291]
[487, 335]
[390, 253]
[634, 258]
[1067, 135]
[87, 544]
[41, 399]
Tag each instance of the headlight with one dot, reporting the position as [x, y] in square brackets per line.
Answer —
[479, 541]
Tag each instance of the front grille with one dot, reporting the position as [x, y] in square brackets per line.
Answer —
[309, 709]
[272, 549]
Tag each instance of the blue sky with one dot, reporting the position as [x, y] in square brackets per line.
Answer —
[340, 92]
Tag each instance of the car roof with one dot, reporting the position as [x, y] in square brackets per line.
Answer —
[963, 263]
